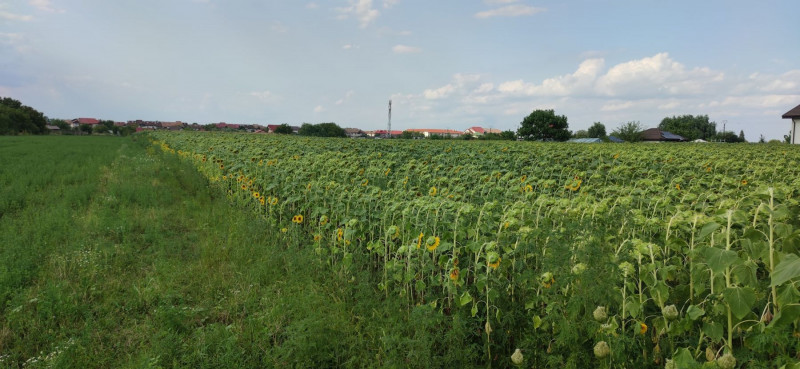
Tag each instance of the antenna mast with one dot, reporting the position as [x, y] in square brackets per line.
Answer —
[389, 127]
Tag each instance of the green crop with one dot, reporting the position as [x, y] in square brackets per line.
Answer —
[579, 255]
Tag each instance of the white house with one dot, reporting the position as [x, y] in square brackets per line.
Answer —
[794, 115]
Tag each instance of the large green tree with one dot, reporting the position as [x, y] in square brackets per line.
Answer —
[544, 125]
[630, 131]
[597, 130]
[322, 130]
[284, 129]
[16, 118]
[689, 126]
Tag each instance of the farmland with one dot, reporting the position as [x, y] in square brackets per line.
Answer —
[284, 251]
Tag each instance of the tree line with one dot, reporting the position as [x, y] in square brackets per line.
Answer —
[545, 125]
[16, 118]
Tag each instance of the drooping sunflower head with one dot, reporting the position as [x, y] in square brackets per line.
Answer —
[432, 243]
[419, 239]
[493, 259]
[642, 328]
[454, 274]
[323, 220]
[433, 191]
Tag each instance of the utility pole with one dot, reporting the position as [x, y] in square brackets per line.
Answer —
[389, 126]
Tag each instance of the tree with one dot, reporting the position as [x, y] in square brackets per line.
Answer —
[408, 135]
[508, 135]
[787, 138]
[284, 129]
[728, 137]
[581, 133]
[63, 125]
[85, 128]
[741, 136]
[597, 130]
[16, 118]
[544, 125]
[689, 126]
[631, 131]
[322, 130]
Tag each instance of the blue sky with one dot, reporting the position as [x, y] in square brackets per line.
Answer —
[444, 63]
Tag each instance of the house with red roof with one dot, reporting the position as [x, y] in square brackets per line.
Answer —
[480, 131]
[383, 133]
[78, 121]
[428, 132]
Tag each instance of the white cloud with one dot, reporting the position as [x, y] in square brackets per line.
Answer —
[346, 97]
[14, 17]
[390, 3]
[312, 6]
[515, 10]
[403, 49]
[278, 27]
[10, 38]
[439, 93]
[265, 96]
[349, 47]
[484, 88]
[496, 2]
[319, 109]
[656, 75]
[45, 5]
[579, 82]
[361, 10]
[618, 105]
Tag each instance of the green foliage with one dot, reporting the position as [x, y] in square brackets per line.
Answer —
[284, 129]
[689, 126]
[597, 130]
[321, 130]
[16, 118]
[629, 132]
[411, 135]
[508, 135]
[581, 133]
[728, 137]
[544, 125]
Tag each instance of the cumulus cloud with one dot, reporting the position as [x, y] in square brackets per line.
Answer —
[579, 82]
[654, 75]
[361, 10]
[514, 10]
[404, 49]
[438, 93]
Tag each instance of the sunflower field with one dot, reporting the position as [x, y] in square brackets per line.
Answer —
[550, 254]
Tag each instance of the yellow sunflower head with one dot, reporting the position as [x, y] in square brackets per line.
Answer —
[433, 191]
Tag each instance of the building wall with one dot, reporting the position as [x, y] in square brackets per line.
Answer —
[795, 134]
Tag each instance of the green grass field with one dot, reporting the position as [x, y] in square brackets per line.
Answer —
[115, 256]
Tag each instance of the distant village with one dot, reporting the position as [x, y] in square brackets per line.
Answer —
[144, 125]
